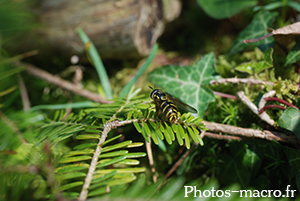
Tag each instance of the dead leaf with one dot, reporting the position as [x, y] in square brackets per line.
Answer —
[290, 30]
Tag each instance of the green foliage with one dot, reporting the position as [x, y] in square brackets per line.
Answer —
[49, 155]
[123, 93]
[255, 67]
[285, 89]
[97, 62]
[290, 119]
[188, 83]
[228, 7]
[257, 28]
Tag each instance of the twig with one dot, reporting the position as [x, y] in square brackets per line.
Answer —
[24, 94]
[151, 161]
[224, 95]
[176, 165]
[264, 116]
[63, 83]
[106, 129]
[223, 137]
[235, 80]
[280, 101]
[251, 133]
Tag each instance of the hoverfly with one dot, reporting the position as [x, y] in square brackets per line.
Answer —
[166, 106]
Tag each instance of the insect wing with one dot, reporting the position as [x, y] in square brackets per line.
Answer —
[182, 106]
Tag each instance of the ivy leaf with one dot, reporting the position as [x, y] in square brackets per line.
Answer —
[187, 82]
[228, 7]
[257, 28]
[294, 55]
[290, 119]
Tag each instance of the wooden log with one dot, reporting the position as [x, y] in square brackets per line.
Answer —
[118, 28]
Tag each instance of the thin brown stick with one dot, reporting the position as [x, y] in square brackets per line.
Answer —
[176, 165]
[63, 83]
[107, 127]
[224, 95]
[24, 94]
[151, 161]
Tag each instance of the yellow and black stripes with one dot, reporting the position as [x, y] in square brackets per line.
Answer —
[169, 109]
[165, 109]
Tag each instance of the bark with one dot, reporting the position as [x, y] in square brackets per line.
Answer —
[118, 28]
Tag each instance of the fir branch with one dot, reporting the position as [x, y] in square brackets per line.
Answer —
[107, 127]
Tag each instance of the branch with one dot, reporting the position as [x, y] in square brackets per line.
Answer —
[264, 116]
[24, 94]
[107, 127]
[63, 83]
[235, 80]
[249, 133]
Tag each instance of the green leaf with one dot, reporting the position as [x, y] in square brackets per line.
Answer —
[121, 181]
[294, 55]
[71, 185]
[106, 162]
[113, 154]
[192, 134]
[181, 131]
[123, 170]
[135, 155]
[71, 175]
[84, 146]
[71, 168]
[257, 28]
[111, 139]
[153, 135]
[188, 82]
[140, 72]
[187, 140]
[92, 52]
[233, 170]
[178, 136]
[87, 136]
[99, 191]
[170, 131]
[157, 131]
[252, 160]
[295, 5]
[12, 71]
[116, 146]
[137, 126]
[81, 152]
[290, 119]
[167, 135]
[129, 162]
[75, 159]
[135, 144]
[146, 128]
[228, 8]
[197, 133]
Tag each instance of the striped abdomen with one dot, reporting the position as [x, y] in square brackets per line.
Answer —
[169, 110]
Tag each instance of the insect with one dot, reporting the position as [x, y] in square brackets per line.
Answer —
[167, 107]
